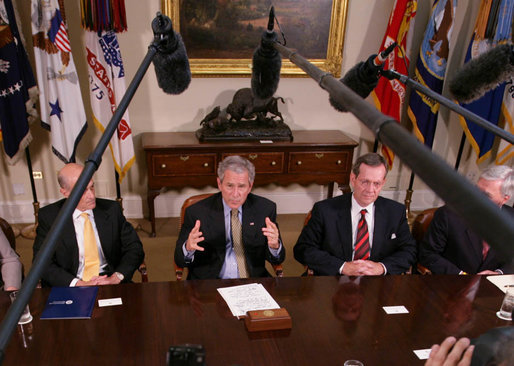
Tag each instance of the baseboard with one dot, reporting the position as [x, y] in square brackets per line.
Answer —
[168, 204]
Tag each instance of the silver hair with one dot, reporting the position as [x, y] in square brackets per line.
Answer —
[501, 172]
[238, 165]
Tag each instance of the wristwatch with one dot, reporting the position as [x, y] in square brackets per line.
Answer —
[119, 275]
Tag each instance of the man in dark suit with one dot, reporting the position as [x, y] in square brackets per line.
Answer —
[208, 242]
[451, 247]
[358, 233]
[117, 250]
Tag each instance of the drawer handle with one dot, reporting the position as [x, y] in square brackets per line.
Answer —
[339, 162]
[319, 156]
[184, 158]
[205, 165]
[299, 162]
[253, 156]
[163, 166]
[273, 163]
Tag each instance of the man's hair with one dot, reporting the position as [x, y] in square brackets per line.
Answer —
[238, 165]
[501, 172]
[371, 159]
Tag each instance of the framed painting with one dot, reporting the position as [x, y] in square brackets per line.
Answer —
[221, 35]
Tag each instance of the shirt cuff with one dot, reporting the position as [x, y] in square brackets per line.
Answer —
[499, 271]
[188, 255]
[341, 269]
[73, 282]
[276, 252]
[385, 269]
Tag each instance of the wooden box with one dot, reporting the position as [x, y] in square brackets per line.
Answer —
[259, 320]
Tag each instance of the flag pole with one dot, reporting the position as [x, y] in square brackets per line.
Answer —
[29, 232]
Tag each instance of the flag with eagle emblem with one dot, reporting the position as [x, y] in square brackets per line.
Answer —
[62, 108]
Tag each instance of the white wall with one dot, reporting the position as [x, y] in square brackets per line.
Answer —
[306, 108]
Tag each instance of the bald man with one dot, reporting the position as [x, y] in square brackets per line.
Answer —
[119, 251]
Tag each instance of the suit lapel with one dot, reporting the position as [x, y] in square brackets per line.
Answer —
[344, 221]
[104, 229]
[379, 230]
[69, 239]
[249, 229]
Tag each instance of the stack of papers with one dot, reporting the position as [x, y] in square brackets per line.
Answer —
[243, 298]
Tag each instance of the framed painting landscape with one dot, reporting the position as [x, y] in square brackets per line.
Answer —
[221, 35]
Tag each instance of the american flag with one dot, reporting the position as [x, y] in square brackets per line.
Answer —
[58, 34]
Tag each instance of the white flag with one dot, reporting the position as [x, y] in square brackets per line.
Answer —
[62, 109]
[107, 88]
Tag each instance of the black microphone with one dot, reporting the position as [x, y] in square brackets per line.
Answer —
[170, 62]
[364, 76]
[483, 73]
[266, 63]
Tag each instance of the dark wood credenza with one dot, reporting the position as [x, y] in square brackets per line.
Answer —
[177, 160]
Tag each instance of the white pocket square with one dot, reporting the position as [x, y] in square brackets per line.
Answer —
[393, 236]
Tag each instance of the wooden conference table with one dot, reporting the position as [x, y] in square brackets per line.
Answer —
[333, 321]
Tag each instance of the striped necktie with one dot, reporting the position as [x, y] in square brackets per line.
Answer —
[237, 243]
[91, 258]
[361, 250]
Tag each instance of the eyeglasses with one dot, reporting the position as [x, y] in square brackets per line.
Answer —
[368, 183]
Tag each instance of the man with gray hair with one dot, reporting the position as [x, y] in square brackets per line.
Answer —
[230, 234]
[451, 247]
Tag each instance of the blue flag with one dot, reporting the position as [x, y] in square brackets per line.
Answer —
[492, 105]
[431, 69]
[17, 86]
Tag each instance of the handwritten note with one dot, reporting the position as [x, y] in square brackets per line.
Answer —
[243, 298]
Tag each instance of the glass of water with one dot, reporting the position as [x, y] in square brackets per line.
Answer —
[505, 312]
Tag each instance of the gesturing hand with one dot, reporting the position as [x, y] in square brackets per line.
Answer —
[271, 232]
[195, 236]
[445, 355]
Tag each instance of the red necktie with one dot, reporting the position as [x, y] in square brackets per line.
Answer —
[362, 242]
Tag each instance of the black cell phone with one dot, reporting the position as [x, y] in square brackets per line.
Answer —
[186, 355]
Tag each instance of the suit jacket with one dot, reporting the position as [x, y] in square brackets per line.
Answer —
[450, 246]
[208, 264]
[121, 246]
[326, 241]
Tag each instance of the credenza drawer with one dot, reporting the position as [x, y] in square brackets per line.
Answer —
[264, 162]
[319, 162]
[183, 164]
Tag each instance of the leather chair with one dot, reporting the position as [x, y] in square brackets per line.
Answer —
[179, 271]
[419, 228]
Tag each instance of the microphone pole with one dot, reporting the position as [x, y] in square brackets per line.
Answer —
[466, 199]
[93, 162]
[476, 119]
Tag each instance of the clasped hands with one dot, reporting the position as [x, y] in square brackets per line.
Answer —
[361, 267]
[196, 236]
[100, 280]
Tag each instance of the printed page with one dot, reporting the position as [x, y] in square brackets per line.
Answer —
[243, 298]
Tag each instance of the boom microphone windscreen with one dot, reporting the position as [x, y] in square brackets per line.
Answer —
[483, 73]
[170, 62]
[266, 63]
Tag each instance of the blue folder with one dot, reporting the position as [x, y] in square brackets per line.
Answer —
[70, 303]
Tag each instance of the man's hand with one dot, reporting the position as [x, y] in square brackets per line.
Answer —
[111, 280]
[271, 232]
[488, 272]
[460, 354]
[362, 268]
[195, 236]
[94, 281]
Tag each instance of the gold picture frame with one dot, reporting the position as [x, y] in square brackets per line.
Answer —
[215, 67]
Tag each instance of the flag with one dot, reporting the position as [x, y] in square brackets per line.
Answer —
[62, 109]
[389, 94]
[430, 69]
[107, 87]
[18, 90]
[492, 27]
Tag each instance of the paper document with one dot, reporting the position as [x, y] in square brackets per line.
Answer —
[243, 298]
[502, 281]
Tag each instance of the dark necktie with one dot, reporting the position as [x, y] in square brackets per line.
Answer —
[362, 242]
[237, 242]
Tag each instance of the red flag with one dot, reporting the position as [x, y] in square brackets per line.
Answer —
[390, 94]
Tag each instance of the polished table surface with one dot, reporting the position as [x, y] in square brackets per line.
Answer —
[334, 319]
